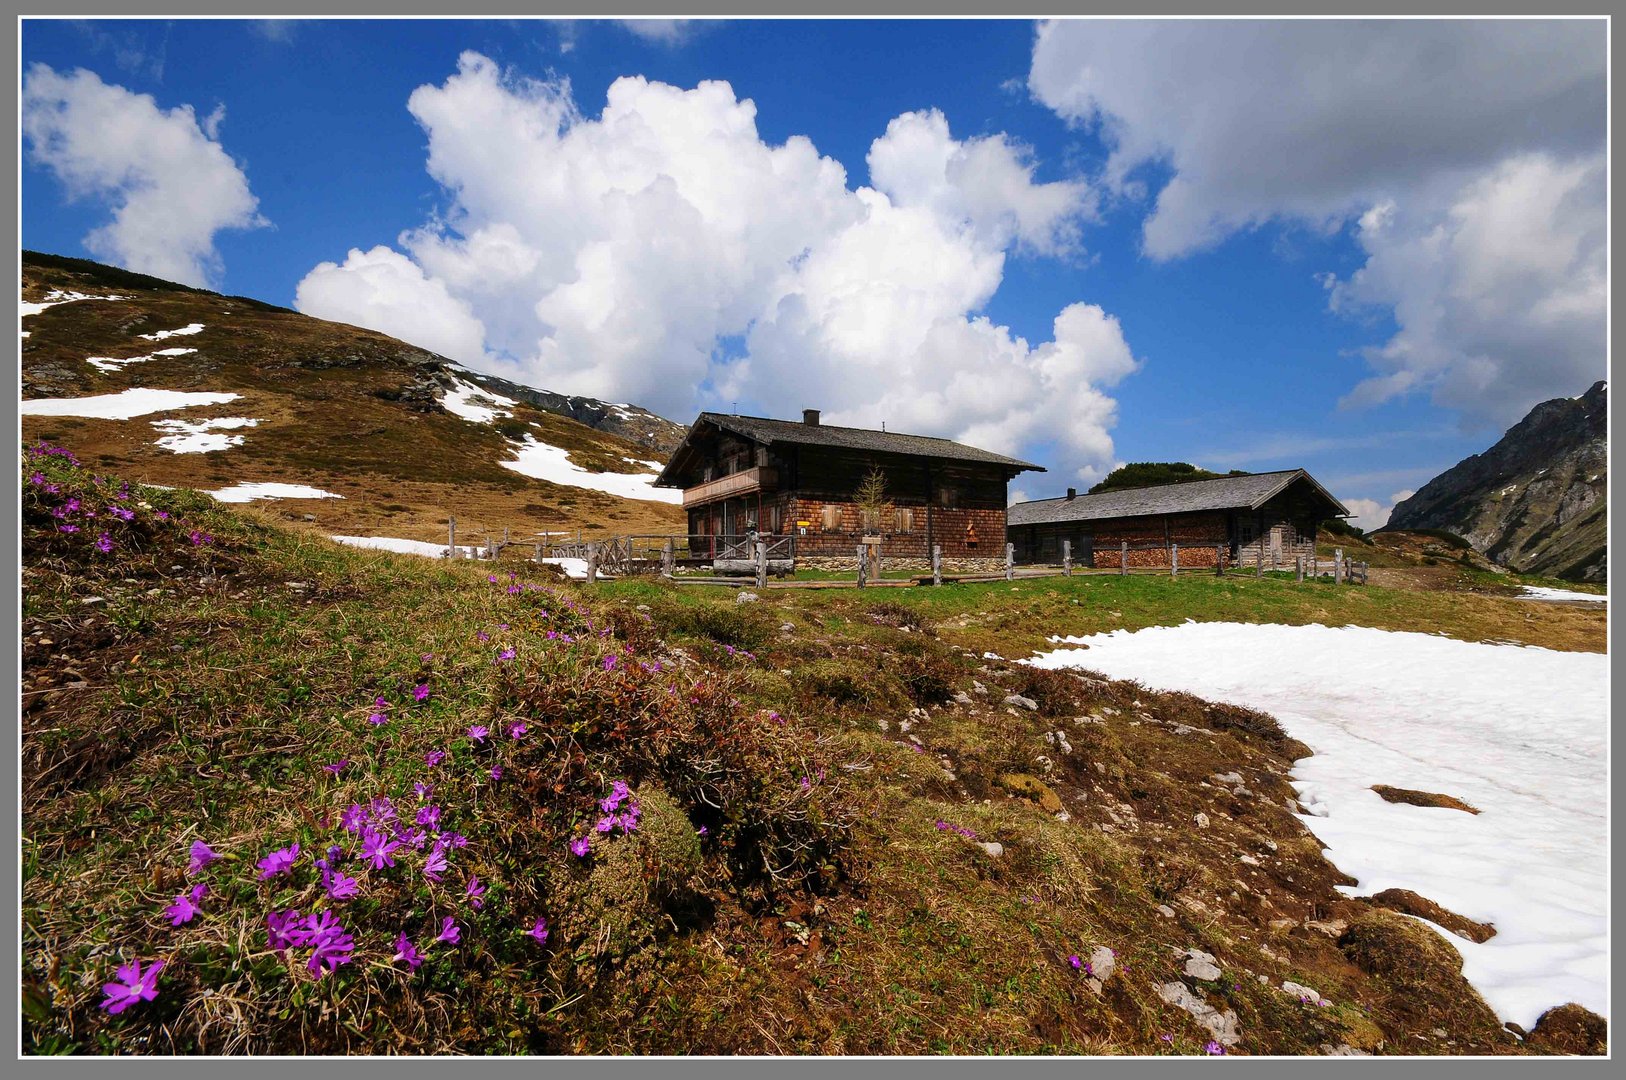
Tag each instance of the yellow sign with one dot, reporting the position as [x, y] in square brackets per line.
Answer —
[804, 524]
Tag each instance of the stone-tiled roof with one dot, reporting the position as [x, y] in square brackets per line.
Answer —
[766, 431]
[1225, 493]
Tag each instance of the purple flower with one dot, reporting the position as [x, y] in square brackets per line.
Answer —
[104, 543]
[353, 818]
[1074, 962]
[426, 657]
[134, 985]
[1213, 1049]
[449, 931]
[700, 831]
[605, 823]
[161, 515]
[404, 950]
[420, 692]
[478, 732]
[481, 635]
[376, 848]
[333, 944]
[121, 513]
[506, 654]
[202, 855]
[337, 766]
[285, 930]
[455, 839]
[609, 662]
[539, 930]
[434, 757]
[579, 846]
[429, 816]
[376, 718]
[475, 893]
[338, 885]
[435, 864]
[423, 790]
[496, 772]
[67, 528]
[185, 907]
[517, 730]
[383, 810]
[278, 862]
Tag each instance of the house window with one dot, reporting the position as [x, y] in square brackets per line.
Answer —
[830, 518]
[948, 498]
[903, 519]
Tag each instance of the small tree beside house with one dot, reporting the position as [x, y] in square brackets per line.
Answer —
[874, 508]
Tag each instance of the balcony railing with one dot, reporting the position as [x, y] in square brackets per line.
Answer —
[744, 482]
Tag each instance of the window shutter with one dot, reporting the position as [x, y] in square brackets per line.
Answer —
[905, 519]
[831, 518]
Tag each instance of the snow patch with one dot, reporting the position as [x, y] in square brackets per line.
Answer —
[1519, 732]
[1541, 592]
[110, 363]
[201, 436]
[136, 401]
[461, 401]
[186, 331]
[242, 493]
[544, 462]
[57, 296]
[405, 547]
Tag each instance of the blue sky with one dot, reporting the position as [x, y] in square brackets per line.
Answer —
[1231, 244]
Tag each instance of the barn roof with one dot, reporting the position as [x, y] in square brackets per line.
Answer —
[767, 431]
[1226, 493]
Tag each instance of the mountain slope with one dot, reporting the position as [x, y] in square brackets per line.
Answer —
[1536, 500]
[406, 437]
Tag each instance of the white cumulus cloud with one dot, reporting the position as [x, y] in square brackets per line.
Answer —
[662, 252]
[1468, 153]
[170, 184]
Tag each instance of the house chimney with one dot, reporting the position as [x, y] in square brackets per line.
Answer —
[1072, 493]
[810, 417]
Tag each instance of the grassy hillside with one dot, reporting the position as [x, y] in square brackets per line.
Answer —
[340, 408]
[831, 828]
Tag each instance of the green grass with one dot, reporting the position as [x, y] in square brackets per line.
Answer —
[210, 706]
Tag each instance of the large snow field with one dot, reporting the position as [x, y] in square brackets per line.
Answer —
[57, 296]
[1520, 733]
[544, 462]
[242, 493]
[136, 401]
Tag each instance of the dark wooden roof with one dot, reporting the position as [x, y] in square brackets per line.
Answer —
[1226, 493]
[761, 429]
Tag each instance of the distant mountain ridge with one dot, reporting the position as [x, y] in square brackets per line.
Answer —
[1536, 501]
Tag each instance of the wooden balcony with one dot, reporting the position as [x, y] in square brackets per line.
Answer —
[744, 482]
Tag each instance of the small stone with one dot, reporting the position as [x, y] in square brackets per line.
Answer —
[1229, 778]
[993, 847]
[1201, 965]
[747, 598]
[962, 698]
[1249, 860]
[1165, 910]
[1201, 819]
[1103, 962]
[1094, 985]
[1022, 702]
[786, 627]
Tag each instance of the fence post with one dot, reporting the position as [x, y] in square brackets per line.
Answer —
[592, 563]
[1066, 558]
[1010, 561]
[762, 563]
[863, 564]
[937, 564]
[668, 557]
[1259, 563]
[1219, 560]
[1337, 565]
[1123, 551]
[1298, 569]
[1174, 560]
[451, 537]
[505, 536]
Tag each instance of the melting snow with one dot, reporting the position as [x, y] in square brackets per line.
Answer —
[1519, 732]
[404, 547]
[1541, 592]
[553, 464]
[242, 493]
[185, 331]
[109, 363]
[460, 401]
[136, 401]
[573, 568]
[57, 296]
[201, 436]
